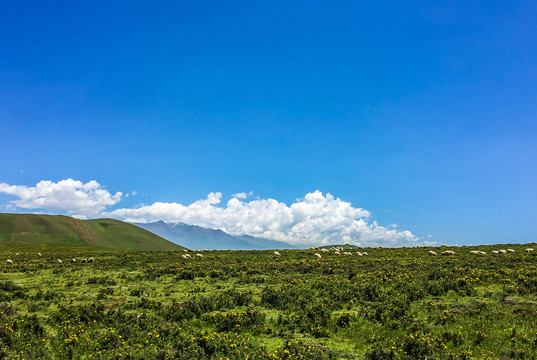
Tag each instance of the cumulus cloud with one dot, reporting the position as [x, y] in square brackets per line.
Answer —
[242, 195]
[314, 219]
[71, 196]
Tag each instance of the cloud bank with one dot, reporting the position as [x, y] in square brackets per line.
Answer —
[316, 219]
[71, 196]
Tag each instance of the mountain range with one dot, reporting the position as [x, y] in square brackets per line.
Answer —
[197, 237]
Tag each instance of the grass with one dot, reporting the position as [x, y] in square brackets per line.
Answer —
[64, 230]
[392, 304]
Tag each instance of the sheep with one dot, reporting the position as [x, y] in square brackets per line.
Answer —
[83, 261]
[529, 250]
[474, 252]
[185, 250]
[359, 253]
[495, 252]
[199, 255]
[276, 253]
[188, 256]
[317, 255]
[59, 261]
[90, 260]
[39, 254]
[325, 250]
[443, 245]
[482, 253]
[73, 260]
[364, 253]
[336, 252]
[510, 250]
[503, 252]
[432, 253]
[184, 256]
[346, 253]
[206, 250]
[447, 253]
[9, 262]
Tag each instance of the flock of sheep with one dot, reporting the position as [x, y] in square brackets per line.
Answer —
[59, 261]
[336, 250]
[478, 252]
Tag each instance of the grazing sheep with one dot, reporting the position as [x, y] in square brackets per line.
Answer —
[359, 253]
[495, 252]
[482, 253]
[346, 253]
[73, 260]
[90, 260]
[276, 253]
[185, 250]
[199, 255]
[59, 261]
[184, 256]
[206, 250]
[317, 255]
[39, 254]
[529, 250]
[447, 253]
[83, 261]
[503, 252]
[9, 262]
[510, 250]
[474, 252]
[443, 245]
[432, 253]
[364, 253]
[325, 250]
[336, 252]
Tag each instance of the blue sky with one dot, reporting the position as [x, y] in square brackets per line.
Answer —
[423, 113]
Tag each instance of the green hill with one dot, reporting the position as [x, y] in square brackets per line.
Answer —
[65, 230]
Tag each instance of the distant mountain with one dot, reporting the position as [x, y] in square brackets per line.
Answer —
[197, 237]
[65, 230]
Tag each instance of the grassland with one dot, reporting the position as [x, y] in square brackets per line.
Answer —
[65, 230]
[392, 304]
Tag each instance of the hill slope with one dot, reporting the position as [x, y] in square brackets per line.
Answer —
[197, 237]
[65, 230]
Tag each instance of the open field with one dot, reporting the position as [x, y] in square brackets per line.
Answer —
[391, 304]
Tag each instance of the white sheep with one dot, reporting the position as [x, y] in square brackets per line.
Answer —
[364, 253]
[482, 253]
[359, 253]
[317, 255]
[276, 253]
[474, 252]
[39, 254]
[325, 250]
[9, 262]
[495, 252]
[199, 255]
[502, 251]
[59, 261]
[336, 253]
[510, 250]
[90, 260]
[432, 253]
[529, 250]
[83, 261]
[447, 253]
[184, 256]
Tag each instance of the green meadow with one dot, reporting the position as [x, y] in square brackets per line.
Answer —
[391, 304]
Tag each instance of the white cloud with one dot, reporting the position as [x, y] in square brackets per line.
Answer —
[242, 195]
[315, 219]
[71, 196]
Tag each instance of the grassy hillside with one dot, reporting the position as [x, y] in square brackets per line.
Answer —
[64, 230]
